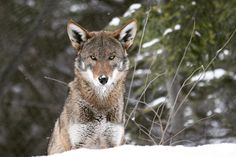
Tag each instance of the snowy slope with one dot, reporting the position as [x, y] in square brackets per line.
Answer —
[212, 150]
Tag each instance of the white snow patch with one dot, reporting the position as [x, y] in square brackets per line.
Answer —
[167, 31]
[231, 74]
[31, 3]
[217, 110]
[115, 21]
[159, 51]
[198, 34]
[157, 102]
[142, 72]
[177, 27]
[189, 123]
[209, 75]
[209, 113]
[16, 89]
[133, 118]
[188, 112]
[193, 3]
[216, 150]
[132, 9]
[224, 54]
[78, 7]
[211, 96]
[150, 43]
[139, 58]
[142, 56]
[189, 64]
[218, 132]
[201, 84]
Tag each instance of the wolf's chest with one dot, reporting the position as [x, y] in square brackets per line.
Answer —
[100, 134]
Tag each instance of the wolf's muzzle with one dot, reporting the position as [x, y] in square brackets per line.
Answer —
[103, 79]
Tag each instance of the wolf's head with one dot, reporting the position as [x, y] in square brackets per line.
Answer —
[101, 56]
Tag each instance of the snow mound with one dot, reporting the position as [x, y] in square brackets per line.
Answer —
[209, 75]
[216, 150]
[150, 43]
[132, 9]
[157, 101]
[115, 21]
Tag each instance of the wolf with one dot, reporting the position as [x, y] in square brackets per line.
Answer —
[92, 115]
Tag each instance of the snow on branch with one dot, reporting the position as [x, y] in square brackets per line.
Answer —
[212, 150]
[209, 75]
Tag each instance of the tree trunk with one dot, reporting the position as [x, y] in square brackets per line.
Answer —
[175, 103]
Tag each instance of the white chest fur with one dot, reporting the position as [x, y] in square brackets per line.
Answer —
[96, 135]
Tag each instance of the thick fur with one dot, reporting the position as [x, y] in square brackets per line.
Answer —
[92, 116]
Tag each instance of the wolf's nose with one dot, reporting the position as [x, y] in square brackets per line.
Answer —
[103, 79]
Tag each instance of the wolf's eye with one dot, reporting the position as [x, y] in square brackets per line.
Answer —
[111, 57]
[93, 57]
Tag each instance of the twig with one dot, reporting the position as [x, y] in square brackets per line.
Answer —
[220, 50]
[152, 63]
[156, 114]
[172, 82]
[183, 85]
[204, 70]
[58, 81]
[185, 51]
[15, 60]
[136, 105]
[141, 129]
[139, 50]
[202, 119]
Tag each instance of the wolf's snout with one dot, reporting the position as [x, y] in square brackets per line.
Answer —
[103, 79]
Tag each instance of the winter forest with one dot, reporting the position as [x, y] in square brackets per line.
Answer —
[181, 86]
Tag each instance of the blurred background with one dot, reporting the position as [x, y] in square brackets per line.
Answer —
[180, 89]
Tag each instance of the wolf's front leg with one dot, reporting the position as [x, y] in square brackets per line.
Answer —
[59, 141]
[113, 135]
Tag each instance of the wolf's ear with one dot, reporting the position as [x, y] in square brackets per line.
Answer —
[77, 34]
[126, 34]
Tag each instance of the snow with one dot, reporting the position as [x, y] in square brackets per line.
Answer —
[157, 102]
[115, 21]
[132, 9]
[216, 150]
[167, 31]
[193, 3]
[150, 43]
[217, 110]
[232, 75]
[141, 56]
[188, 111]
[31, 3]
[16, 89]
[177, 27]
[209, 75]
[209, 113]
[189, 123]
[78, 7]
[224, 54]
[198, 34]
[139, 72]
[159, 51]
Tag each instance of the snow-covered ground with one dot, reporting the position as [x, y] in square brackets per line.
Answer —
[212, 150]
